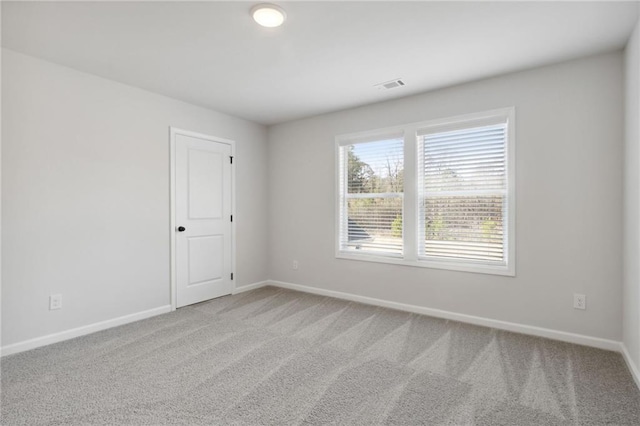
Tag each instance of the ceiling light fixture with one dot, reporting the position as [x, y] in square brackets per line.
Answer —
[268, 15]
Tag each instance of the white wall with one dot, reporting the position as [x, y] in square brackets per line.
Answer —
[569, 201]
[0, 183]
[85, 188]
[631, 272]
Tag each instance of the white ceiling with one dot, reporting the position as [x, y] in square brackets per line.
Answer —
[327, 56]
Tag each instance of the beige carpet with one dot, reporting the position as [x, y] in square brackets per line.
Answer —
[278, 357]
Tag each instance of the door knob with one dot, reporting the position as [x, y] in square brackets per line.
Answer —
[181, 229]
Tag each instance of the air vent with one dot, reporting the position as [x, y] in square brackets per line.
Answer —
[391, 84]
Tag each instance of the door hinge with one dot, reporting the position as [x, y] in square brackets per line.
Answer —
[231, 158]
[232, 276]
[231, 218]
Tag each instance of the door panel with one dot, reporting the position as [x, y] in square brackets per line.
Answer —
[203, 208]
[205, 184]
[206, 259]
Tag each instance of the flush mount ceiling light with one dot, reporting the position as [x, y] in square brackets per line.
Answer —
[268, 15]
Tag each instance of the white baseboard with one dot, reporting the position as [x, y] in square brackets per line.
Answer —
[81, 331]
[635, 372]
[564, 336]
[248, 287]
[470, 319]
[92, 328]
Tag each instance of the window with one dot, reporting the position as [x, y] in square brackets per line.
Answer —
[462, 193]
[372, 196]
[452, 207]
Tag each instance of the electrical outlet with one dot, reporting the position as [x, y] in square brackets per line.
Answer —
[579, 301]
[295, 265]
[55, 302]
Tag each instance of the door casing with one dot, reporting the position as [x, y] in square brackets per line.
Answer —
[173, 132]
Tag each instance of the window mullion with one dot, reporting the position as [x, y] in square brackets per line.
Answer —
[410, 207]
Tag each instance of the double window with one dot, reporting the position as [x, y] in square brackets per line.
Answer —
[436, 194]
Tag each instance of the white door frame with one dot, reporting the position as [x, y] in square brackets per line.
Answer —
[173, 132]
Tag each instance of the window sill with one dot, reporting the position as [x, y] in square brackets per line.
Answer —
[478, 268]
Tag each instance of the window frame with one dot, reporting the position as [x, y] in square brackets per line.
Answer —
[411, 210]
[354, 139]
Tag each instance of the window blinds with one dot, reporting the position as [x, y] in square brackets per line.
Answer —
[462, 192]
[371, 187]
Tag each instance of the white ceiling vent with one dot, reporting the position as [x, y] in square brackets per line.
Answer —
[391, 84]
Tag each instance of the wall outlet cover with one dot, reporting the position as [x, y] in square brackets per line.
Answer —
[579, 301]
[55, 302]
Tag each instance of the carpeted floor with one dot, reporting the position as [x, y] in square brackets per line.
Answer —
[278, 357]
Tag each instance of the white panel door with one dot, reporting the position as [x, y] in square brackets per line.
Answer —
[203, 219]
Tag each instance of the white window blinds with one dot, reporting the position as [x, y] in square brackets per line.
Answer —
[371, 197]
[462, 182]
